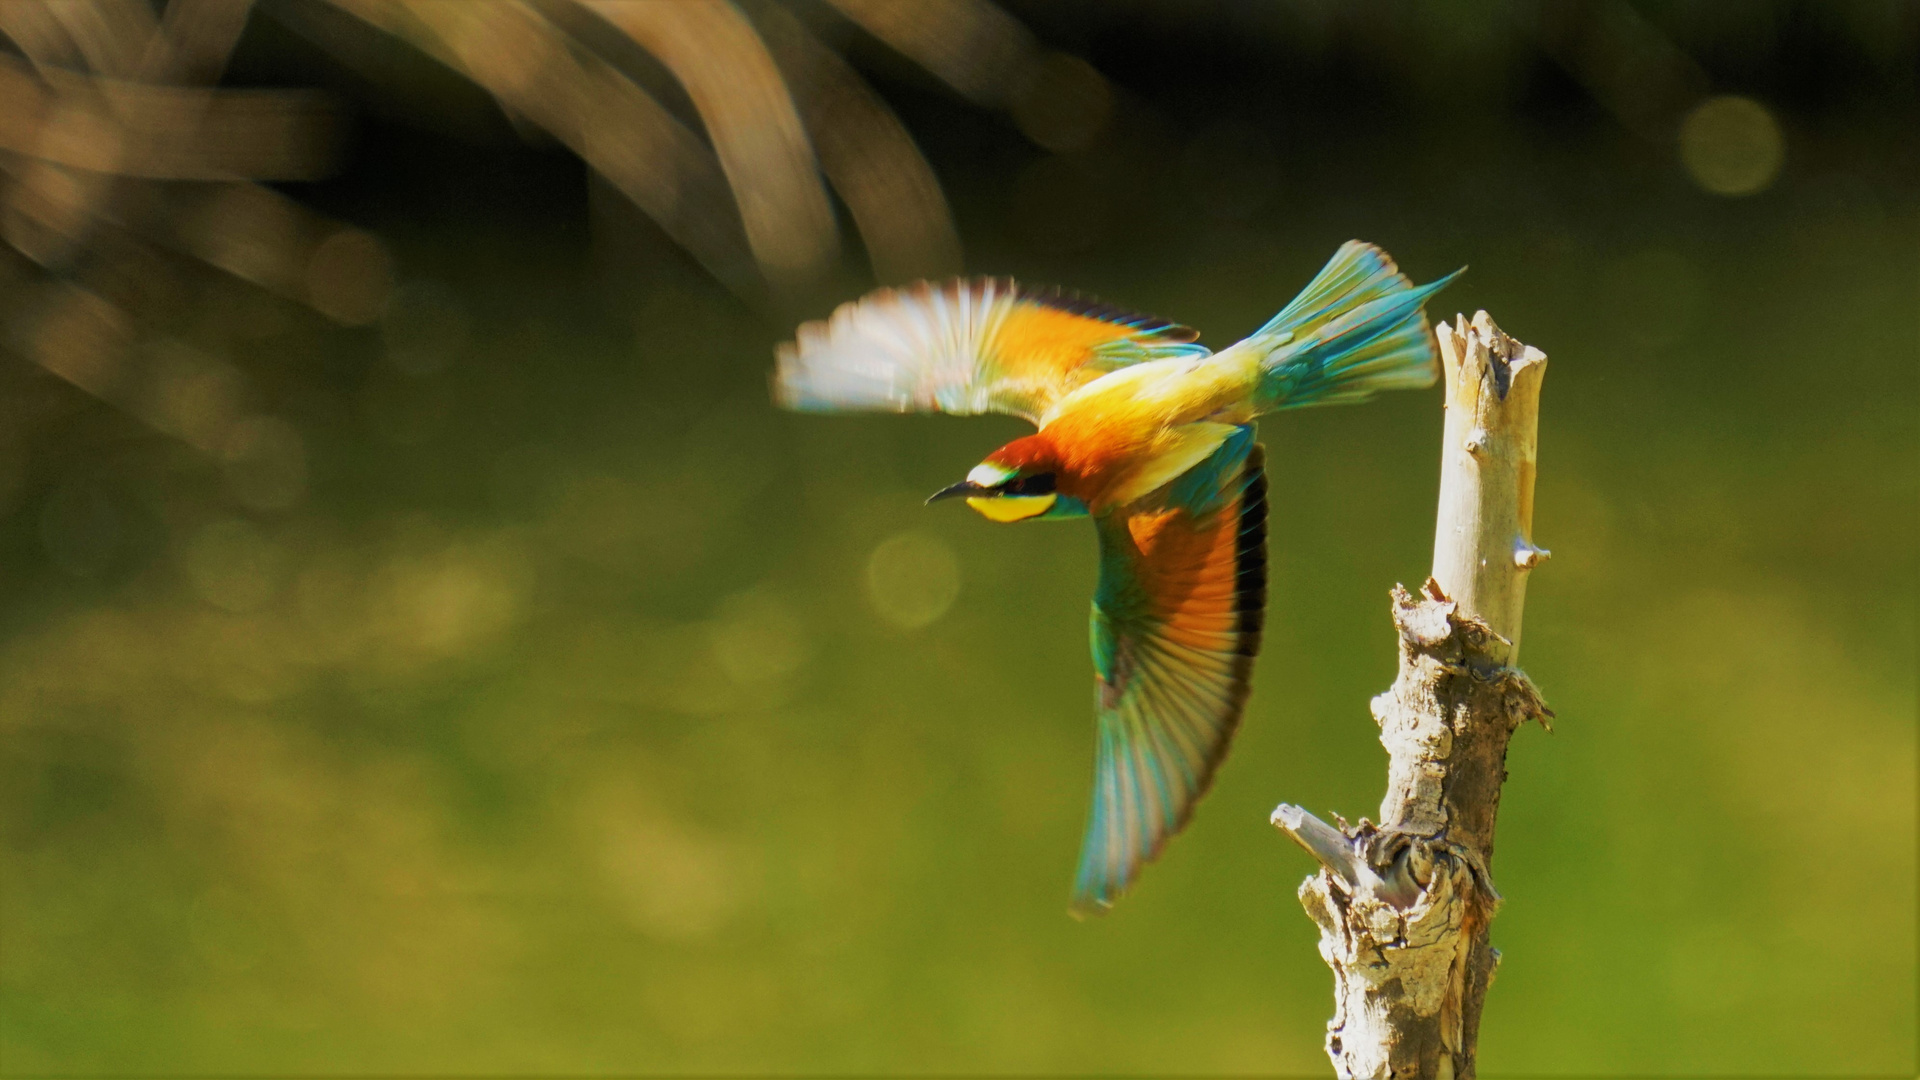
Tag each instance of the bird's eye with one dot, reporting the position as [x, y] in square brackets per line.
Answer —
[1037, 484]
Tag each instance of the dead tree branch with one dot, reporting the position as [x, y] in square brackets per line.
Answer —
[1404, 906]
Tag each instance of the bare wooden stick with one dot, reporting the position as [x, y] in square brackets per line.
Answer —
[1403, 906]
[1483, 534]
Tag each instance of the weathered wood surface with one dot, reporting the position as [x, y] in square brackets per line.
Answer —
[1404, 906]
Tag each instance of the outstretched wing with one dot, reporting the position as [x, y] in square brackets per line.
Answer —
[1176, 625]
[965, 347]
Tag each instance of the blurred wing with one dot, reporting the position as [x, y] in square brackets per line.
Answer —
[1176, 625]
[965, 347]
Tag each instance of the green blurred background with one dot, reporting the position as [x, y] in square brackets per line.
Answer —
[547, 701]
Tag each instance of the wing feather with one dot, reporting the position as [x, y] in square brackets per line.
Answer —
[965, 347]
[1176, 624]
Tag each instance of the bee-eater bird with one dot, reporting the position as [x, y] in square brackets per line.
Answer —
[1151, 435]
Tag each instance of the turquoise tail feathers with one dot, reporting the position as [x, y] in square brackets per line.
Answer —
[1356, 329]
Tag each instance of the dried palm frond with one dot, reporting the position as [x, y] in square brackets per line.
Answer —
[122, 157]
[105, 110]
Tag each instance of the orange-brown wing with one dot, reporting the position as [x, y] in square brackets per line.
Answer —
[1176, 624]
[965, 347]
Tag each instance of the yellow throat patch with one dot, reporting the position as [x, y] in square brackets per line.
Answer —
[1012, 507]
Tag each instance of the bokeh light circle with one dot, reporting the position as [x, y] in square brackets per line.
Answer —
[912, 579]
[1732, 145]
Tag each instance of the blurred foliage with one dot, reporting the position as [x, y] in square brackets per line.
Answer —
[471, 672]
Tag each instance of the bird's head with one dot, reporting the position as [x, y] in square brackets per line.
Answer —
[1018, 482]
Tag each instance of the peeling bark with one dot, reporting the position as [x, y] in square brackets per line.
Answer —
[1404, 906]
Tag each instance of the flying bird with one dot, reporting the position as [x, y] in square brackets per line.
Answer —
[1151, 435]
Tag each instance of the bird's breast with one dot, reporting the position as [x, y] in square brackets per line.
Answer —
[1123, 426]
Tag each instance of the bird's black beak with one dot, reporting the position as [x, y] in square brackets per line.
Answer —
[959, 490]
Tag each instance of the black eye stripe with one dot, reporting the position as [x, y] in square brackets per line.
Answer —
[1038, 484]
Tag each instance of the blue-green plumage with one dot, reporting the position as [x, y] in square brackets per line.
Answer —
[1064, 507]
[1174, 630]
[1355, 330]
